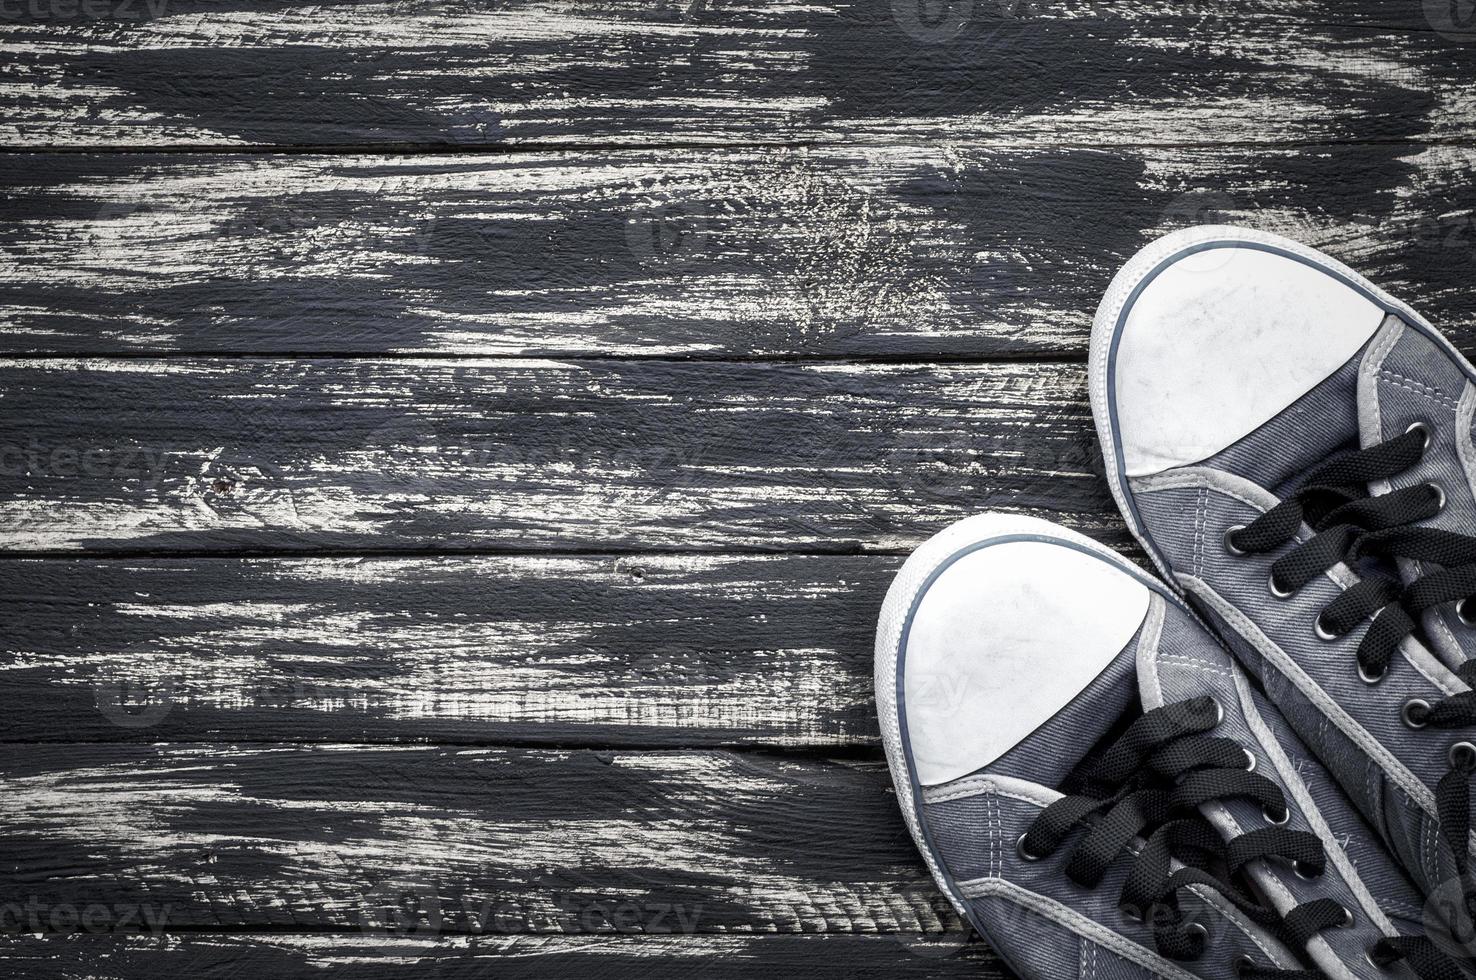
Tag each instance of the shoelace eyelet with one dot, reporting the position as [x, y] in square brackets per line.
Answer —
[1462, 755]
[1414, 712]
[1242, 964]
[1371, 678]
[1198, 929]
[1323, 633]
[1024, 852]
[1277, 590]
[1250, 760]
[1423, 428]
[1277, 819]
[1439, 496]
[1132, 915]
[1465, 613]
[1230, 548]
[1304, 872]
[1347, 922]
[1368, 957]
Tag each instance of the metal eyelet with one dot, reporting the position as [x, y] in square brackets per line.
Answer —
[1411, 707]
[1347, 922]
[1304, 872]
[1197, 929]
[1132, 915]
[1423, 428]
[1230, 548]
[1219, 710]
[1276, 590]
[1024, 854]
[1322, 631]
[1368, 957]
[1250, 760]
[1462, 755]
[1439, 496]
[1241, 965]
[1277, 820]
[1465, 613]
[1368, 678]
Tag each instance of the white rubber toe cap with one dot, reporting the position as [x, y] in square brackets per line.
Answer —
[1214, 331]
[1002, 622]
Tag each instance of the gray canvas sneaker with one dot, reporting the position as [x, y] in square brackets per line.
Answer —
[1096, 786]
[1293, 448]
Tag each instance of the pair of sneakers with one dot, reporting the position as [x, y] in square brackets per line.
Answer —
[1258, 765]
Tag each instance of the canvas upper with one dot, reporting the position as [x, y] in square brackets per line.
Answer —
[1010, 652]
[1230, 371]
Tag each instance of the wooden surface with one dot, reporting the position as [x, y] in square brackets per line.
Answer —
[975, 245]
[452, 453]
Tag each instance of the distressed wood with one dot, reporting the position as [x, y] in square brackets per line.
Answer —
[918, 251]
[645, 650]
[306, 455]
[964, 191]
[337, 957]
[507, 73]
[485, 840]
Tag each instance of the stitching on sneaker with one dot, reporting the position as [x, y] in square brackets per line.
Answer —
[1309, 688]
[1218, 482]
[1089, 928]
[1409, 384]
[996, 835]
[1203, 665]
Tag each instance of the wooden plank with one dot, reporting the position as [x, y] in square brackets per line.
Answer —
[483, 840]
[306, 455]
[642, 650]
[333, 957]
[500, 73]
[919, 251]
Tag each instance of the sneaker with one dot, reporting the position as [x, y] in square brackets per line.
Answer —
[1293, 449]
[1097, 788]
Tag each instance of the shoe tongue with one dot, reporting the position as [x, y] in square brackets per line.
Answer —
[1057, 747]
[1321, 424]
[1179, 660]
[1171, 658]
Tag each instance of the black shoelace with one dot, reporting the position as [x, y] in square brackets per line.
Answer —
[1149, 785]
[1350, 526]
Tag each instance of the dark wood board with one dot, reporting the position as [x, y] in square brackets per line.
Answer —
[460, 446]
[302, 455]
[216, 836]
[636, 650]
[924, 251]
[511, 72]
[516, 957]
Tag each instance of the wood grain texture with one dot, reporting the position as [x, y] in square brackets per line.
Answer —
[945, 249]
[540, 346]
[484, 840]
[337, 957]
[641, 650]
[507, 73]
[521, 455]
